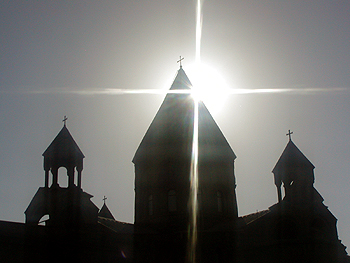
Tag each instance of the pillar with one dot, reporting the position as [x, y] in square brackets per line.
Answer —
[79, 178]
[70, 173]
[54, 172]
[47, 178]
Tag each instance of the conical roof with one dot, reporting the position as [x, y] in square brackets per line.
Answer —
[171, 131]
[181, 81]
[63, 145]
[291, 156]
[105, 212]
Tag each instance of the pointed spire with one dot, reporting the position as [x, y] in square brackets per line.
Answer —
[291, 156]
[63, 146]
[105, 212]
[172, 127]
[294, 170]
[181, 81]
[63, 152]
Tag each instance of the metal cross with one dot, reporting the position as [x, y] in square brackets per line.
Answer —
[104, 199]
[289, 134]
[179, 61]
[65, 120]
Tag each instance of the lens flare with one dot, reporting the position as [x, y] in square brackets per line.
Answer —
[193, 205]
[198, 31]
[192, 242]
[208, 86]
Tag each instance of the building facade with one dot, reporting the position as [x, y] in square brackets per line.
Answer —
[185, 203]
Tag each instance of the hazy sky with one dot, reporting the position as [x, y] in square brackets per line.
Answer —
[52, 50]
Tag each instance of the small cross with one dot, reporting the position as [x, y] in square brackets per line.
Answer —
[65, 120]
[104, 199]
[289, 134]
[180, 61]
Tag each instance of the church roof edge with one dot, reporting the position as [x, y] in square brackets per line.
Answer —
[181, 81]
[291, 155]
[63, 138]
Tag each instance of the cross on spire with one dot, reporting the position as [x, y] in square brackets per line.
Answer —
[65, 120]
[104, 199]
[289, 134]
[179, 61]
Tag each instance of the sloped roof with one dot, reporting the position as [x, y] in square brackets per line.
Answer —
[181, 81]
[254, 216]
[42, 203]
[171, 131]
[291, 156]
[105, 212]
[116, 226]
[63, 145]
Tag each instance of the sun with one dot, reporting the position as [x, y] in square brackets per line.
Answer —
[208, 86]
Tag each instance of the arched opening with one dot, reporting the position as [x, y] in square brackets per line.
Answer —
[172, 201]
[49, 178]
[43, 221]
[62, 177]
[283, 192]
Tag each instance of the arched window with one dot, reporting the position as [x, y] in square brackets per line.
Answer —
[150, 205]
[172, 201]
[62, 177]
[43, 221]
[219, 199]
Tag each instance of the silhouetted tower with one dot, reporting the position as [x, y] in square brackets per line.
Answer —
[296, 173]
[69, 206]
[69, 215]
[63, 152]
[162, 171]
[305, 229]
[104, 211]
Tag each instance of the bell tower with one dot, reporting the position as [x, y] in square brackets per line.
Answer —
[62, 206]
[296, 173]
[63, 152]
[163, 171]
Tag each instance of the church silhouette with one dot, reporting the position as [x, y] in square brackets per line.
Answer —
[62, 224]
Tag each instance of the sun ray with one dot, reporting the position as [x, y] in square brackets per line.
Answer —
[208, 86]
[226, 92]
[198, 31]
[192, 245]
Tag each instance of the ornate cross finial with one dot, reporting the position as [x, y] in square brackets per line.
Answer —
[104, 199]
[65, 120]
[289, 134]
[179, 61]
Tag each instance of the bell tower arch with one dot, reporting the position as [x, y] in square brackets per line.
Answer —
[63, 152]
[296, 173]
[70, 205]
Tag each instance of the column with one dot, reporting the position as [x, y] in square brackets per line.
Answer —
[70, 173]
[47, 178]
[79, 178]
[54, 172]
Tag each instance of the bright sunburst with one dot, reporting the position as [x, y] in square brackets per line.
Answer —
[208, 86]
